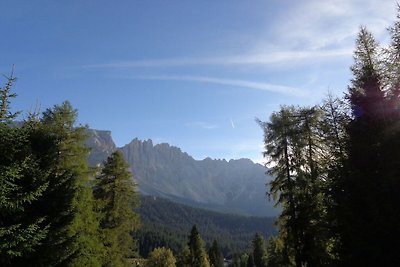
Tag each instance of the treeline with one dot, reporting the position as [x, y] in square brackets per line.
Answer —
[167, 224]
[195, 254]
[336, 167]
[54, 210]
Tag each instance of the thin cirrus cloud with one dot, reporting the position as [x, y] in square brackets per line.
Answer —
[287, 90]
[265, 58]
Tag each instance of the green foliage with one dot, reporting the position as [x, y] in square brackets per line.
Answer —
[369, 210]
[183, 259]
[259, 251]
[294, 144]
[22, 184]
[215, 255]
[198, 255]
[165, 223]
[116, 198]
[244, 258]
[275, 253]
[46, 203]
[5, 94]
[250, 261]
[161, 257]
[235, 260]
[336, 169]
[72, 239]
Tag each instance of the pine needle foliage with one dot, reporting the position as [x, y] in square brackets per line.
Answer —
[116, 197]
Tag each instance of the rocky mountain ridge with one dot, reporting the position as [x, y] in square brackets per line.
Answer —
[162, 170]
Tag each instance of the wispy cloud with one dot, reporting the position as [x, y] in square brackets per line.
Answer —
[332, 23]
[307, 31]
[231, 82]
[257, 59]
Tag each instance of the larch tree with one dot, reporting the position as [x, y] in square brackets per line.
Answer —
[333, 130]
[278, 133]
[294, 148]
[116, 196]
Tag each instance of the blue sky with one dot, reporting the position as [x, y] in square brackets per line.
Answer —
[194, 74]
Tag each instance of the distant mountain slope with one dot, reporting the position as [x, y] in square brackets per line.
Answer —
[235, 186]
[165, 223]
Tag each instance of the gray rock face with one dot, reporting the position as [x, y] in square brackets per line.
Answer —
[235, 186]
[101, 145]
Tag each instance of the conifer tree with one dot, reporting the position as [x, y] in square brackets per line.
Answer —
[334, 126]
[366, 98]
[24, 179]
[22, 184]
[6, 115]
[250, 261]
[116, 197]
[215, 255]
[68, 203]
[293, 145]
[280, 150]
[369, 215]
[259, 251]
[183, 258]
[198, 255]
[275, 253]
[244, 258]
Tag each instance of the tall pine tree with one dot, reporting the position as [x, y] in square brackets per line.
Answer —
[369, 232]
[116, 197]
[22, 183]
[68, 203]
[198, 255]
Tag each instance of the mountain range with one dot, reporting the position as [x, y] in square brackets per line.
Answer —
[162, 170]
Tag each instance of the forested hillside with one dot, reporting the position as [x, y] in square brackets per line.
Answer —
[165, 223]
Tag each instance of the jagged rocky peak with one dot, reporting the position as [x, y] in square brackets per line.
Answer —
[242, 160]
[163, 170]
[147, 147]
[101, 144]
[101, 138]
